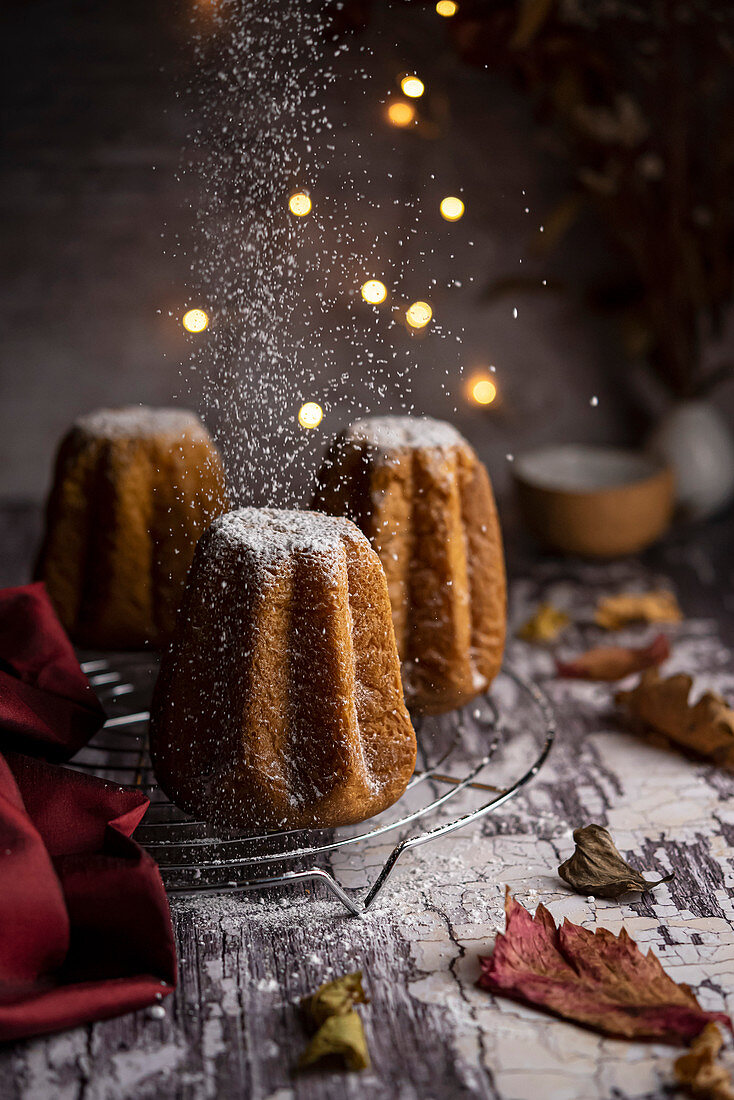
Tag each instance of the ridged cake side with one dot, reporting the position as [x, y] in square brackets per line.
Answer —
[122, 521]
[280, 703]
[424, 500]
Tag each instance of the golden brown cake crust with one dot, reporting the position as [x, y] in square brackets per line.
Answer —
[423, 498]
[280, 703]
[133, 489]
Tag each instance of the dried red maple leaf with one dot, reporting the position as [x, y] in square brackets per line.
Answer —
[612, 663]
[596, 979]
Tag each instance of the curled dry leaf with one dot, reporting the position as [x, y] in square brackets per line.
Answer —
[706, 728]
[335, 998]
[610, 663]
[614, 612]
[620, 123]
[339, 1028]
[533, 14]
[341, 1036]
[596, 979]
[544, 625]
[597, 868]
[699, 1072]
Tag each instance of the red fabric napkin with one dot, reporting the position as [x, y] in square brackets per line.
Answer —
[47, 706]
[85, 926]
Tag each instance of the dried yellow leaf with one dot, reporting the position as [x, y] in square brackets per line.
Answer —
[614, 612]
[699, 1072]
[341, 1036]
[339, 1029]
[545, 625]
[707, 727]
[335, 998]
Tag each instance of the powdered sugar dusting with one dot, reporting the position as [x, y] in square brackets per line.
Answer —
[141, 422]
[398, 432]
[273, 533]
[288, 322]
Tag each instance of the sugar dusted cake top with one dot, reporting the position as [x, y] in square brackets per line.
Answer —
[404, 432]
[140, 422]
[272, 533]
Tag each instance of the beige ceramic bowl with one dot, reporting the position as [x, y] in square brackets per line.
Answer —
[599, 502]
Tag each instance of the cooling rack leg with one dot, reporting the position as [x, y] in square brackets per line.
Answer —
[386, 871]
[314, 874]
[318, 874]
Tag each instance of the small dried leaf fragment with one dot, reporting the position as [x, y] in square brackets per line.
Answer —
[339, 1030]
[596, 979]
[614, 612]
[544, 625]
[557, 223]
[621, 123]
[597, 868]
[611, 663]
[341, 1036]
[335, 998]
[699, 1072]
[533, 14]
[706, 728]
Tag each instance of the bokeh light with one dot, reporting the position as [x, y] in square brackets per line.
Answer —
[412, 86]
[195, 320]
[401, 113]
[482, 389]
[447, 8]
[310, 415]
[300, 204]
[374, 292]
[452, 208]
[418, 314]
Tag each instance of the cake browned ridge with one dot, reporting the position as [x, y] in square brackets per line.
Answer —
[280, 703]
[133, 489]
[420, 494]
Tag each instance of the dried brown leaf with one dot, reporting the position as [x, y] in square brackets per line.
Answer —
[557, 224]
[706, 728]
[699, 1072]
[598, 182]
[533, 14]
[614, 612]
[620, 123]
[544, 625]
[611, 663]
[597, 868]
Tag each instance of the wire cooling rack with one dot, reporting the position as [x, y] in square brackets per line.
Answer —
[470, 763]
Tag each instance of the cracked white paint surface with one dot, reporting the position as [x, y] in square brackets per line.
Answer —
[233, 1027]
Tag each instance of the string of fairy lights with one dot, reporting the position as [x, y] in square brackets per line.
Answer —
[481, 389]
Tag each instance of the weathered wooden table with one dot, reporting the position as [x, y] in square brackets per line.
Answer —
[233, 1028]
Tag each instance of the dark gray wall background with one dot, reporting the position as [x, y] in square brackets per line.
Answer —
[90, 204]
